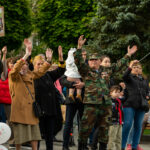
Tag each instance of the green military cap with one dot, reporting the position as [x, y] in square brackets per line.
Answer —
[93, 56]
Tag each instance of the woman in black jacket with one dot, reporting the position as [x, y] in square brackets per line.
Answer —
[137, 88]
[45, 93]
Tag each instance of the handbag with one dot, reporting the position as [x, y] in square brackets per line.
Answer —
[144, 103]
[36, 107]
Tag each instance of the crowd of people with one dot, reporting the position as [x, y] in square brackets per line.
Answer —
[110, 111]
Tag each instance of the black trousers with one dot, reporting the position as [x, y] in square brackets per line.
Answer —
[47, 125]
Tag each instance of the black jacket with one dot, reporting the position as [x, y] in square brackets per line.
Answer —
[45, 92]
[65, 83]
[136, 87]
[117, 113]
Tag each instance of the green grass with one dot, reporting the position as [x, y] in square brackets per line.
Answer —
[146, 132]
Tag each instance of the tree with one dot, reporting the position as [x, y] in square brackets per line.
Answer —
[119, 23]
[18, 23]
[60, 22]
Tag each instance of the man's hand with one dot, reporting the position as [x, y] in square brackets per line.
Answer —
[49, 54]
[133, 62]
[79, 85]
[81, 42]
[132, 50]
[28, 45]
[60, 53]
[4, 50]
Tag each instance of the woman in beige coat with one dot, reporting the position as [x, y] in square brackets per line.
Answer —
[25, 124]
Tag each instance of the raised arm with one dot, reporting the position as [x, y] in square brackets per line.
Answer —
[83, 68]
[14, 73]
[125, 60]
[5, 69]
[57, 73]
[126, 76]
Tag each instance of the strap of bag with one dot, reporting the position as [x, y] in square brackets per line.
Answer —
[28, 89]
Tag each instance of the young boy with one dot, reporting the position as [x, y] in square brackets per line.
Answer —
[115, 130]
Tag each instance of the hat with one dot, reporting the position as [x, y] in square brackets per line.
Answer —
[93, 56]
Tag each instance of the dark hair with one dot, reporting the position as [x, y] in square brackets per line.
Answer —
[103, 57]
[10, 60]
[115, 88]
[13, 60]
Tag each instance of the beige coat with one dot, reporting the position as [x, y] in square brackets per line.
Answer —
[21, 107]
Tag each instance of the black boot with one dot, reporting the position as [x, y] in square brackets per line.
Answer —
[134, 149]
[102, 146]
[123, 149]
[82, 146]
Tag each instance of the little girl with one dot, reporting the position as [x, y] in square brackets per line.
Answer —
[73, 75]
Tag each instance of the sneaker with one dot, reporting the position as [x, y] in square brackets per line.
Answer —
[12, 146]
[129, 147]
[26, 146]
[139, 148]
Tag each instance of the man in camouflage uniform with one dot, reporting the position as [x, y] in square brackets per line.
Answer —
[97, 102]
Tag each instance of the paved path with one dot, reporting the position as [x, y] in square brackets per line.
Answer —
[58, 145]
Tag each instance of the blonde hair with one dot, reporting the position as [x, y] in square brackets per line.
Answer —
[37, 58]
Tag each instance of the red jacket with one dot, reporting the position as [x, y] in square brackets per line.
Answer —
[4, 92]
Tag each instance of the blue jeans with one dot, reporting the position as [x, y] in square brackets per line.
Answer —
[71, 110]
[130, 136]
[132, 115]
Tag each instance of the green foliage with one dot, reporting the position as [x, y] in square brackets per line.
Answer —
[119, 23]
[61, 22]
[18, 23]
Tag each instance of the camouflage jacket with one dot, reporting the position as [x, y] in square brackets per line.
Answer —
[116, 70]
[96, 89]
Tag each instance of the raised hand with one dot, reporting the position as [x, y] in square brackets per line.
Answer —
[81, 42]
[49, 54]
[132, 50]
[28, 45]
[4, 50]
[133, 62]
[60, 53]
